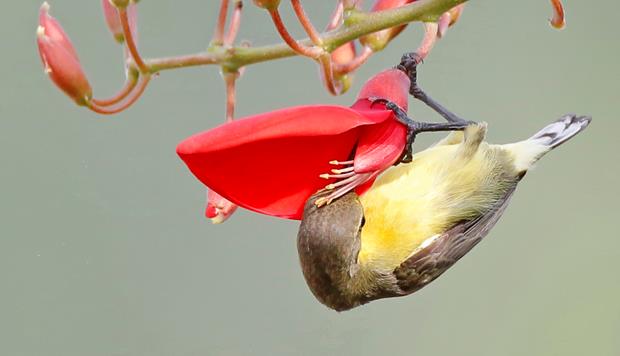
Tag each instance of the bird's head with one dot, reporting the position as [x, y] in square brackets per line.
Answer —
[328, 243]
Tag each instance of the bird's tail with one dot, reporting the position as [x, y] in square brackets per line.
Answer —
[561, 130]
[527, 152]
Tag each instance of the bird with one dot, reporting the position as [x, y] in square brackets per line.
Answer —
[418, 218]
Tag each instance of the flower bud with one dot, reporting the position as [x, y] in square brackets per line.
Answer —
[60, 59]
[219, 209]
[378, 40]
[455, 13]
[121, 4]
[112, 19]
[267, 4]
[449, 18]
[342, 56]
[558, 20]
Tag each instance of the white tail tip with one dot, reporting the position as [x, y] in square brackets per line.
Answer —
[561, 130]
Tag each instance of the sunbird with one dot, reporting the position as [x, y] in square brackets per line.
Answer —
[377, 220]
[418, 218]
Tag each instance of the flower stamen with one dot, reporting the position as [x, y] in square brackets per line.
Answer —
[336, 176]
[343, 187]
[344, 170]
[347, 180]
[341, 163]
[341, 182]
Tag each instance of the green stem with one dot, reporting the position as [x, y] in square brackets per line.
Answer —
[358, 25]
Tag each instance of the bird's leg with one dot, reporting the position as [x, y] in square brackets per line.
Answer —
[415, 127]
[409, 65]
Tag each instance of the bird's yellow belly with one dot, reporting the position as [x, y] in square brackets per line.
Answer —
[412, 203]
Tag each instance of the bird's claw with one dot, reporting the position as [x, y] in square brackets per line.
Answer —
[401, 116]
[411, 60]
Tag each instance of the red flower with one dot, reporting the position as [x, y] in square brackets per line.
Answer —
[112, 19]
[272, 162]
[219, 209]
[60, 58]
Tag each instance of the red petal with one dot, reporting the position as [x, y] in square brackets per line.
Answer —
[210, 211]
[218, 209]
[379, 146]
[270, 163]
[298, 121]
[391, 84]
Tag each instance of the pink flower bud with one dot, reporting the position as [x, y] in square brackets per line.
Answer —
[267, 4]
[219, 209]
[455, 13]
[110, 12]
[121, 4]
[342, 56]
[558, 20]
[378, 40]
[449, 18]
[60, 59]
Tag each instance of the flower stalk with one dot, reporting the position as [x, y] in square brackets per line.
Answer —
[348, 146]
[131, 42]
[218, 35]
[235, 22]
[130, 85]
[314, 35]
[358, 25]
[303, 49]
[131, 97]
[333, 49]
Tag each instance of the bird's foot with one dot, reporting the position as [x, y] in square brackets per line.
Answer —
[402, 117]
[415, 127]
[409, 65]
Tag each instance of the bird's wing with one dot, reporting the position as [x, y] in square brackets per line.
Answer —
[431, 261]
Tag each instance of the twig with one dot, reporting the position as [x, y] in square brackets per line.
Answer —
[359, 24]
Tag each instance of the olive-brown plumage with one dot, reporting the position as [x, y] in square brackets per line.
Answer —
[356, 250]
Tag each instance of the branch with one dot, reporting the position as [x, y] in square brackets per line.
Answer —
[357, 25]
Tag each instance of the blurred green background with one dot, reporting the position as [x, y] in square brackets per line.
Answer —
[104, 249]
